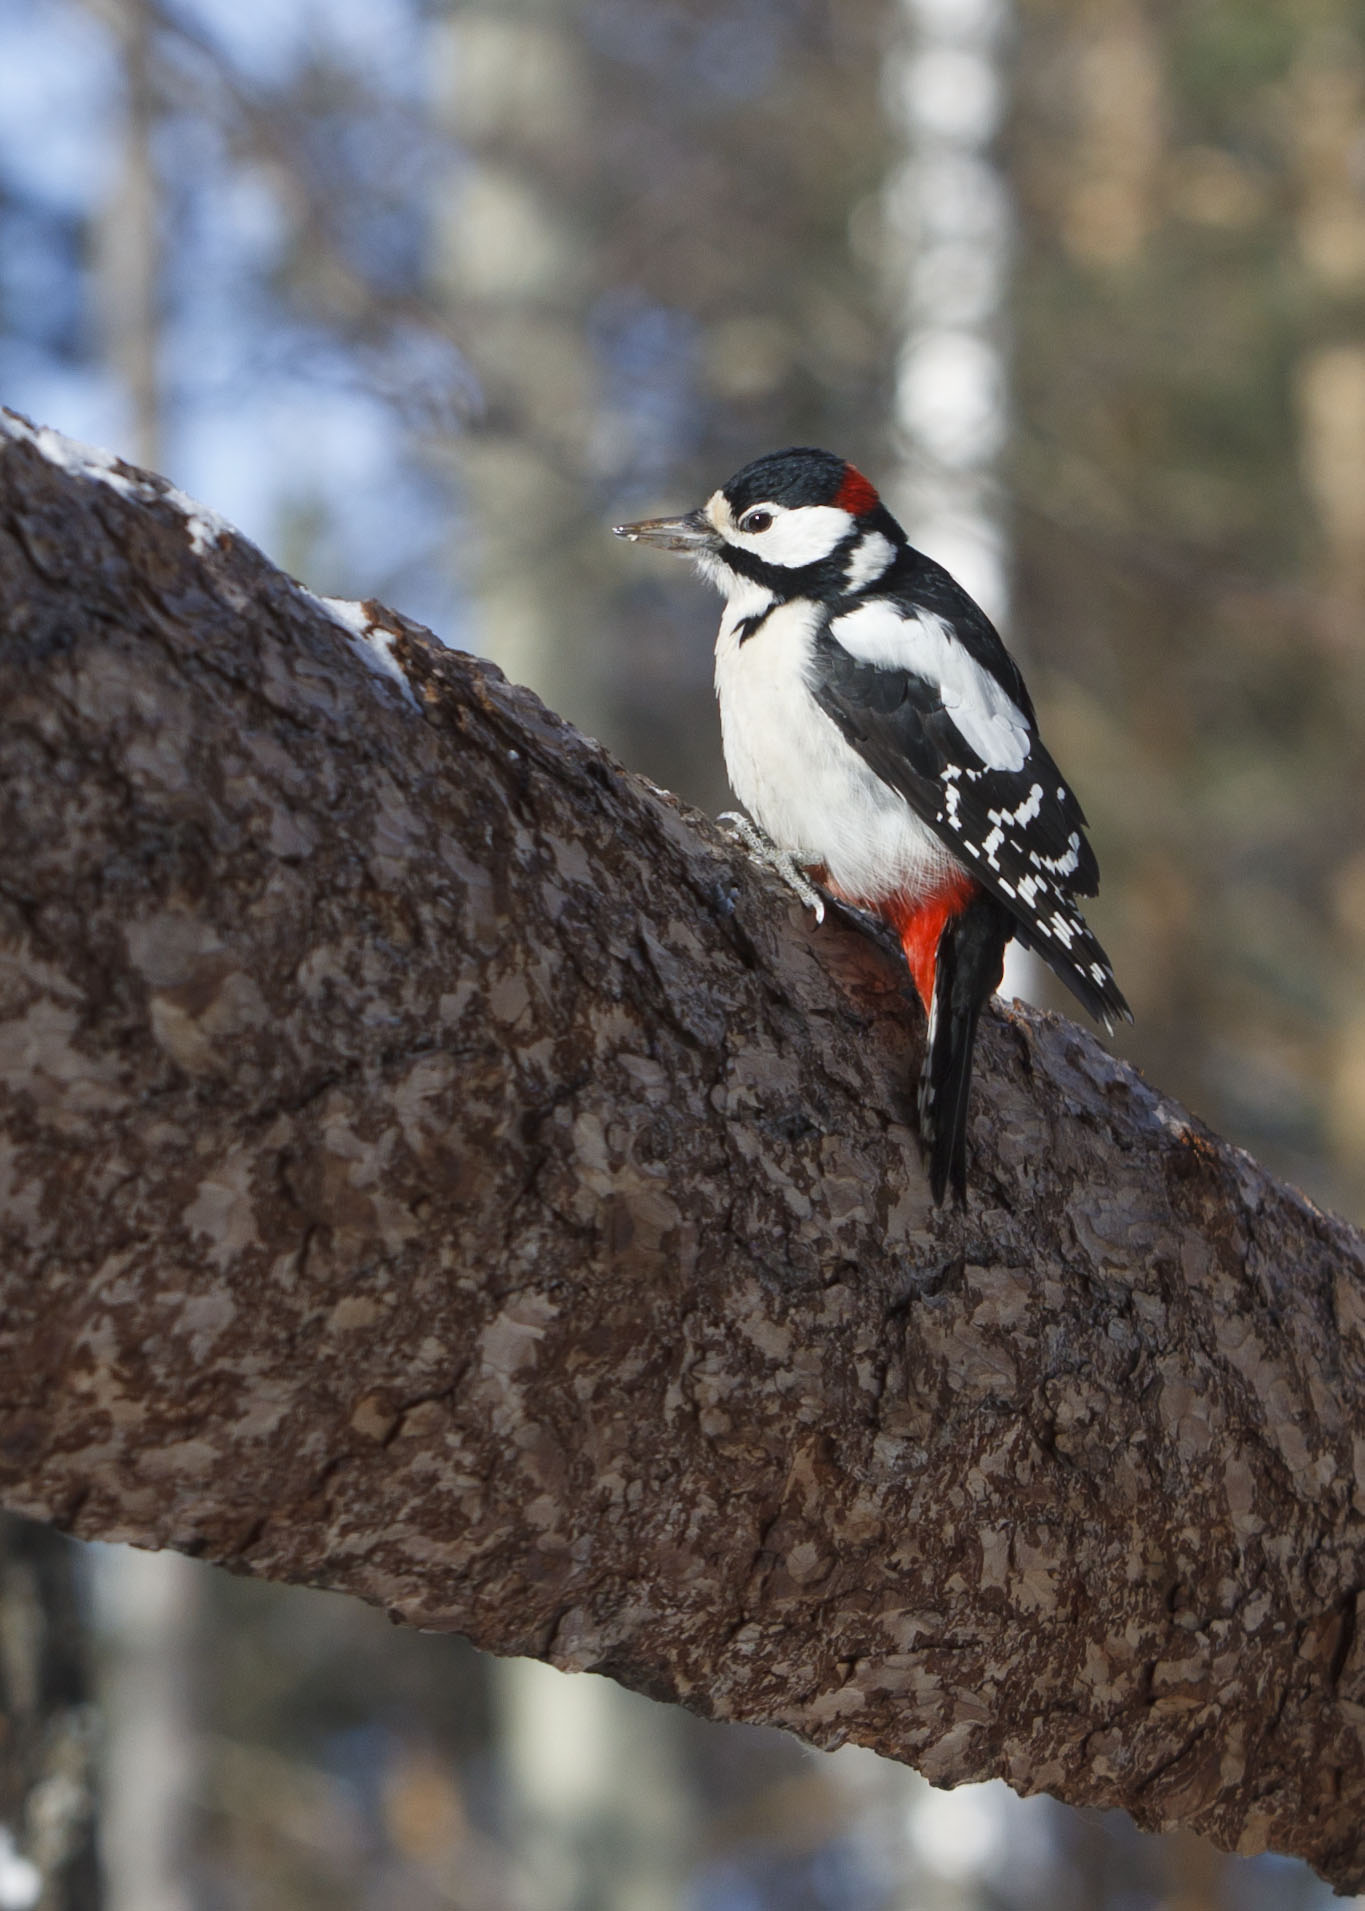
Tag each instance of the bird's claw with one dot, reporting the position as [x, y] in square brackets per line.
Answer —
[781, 861]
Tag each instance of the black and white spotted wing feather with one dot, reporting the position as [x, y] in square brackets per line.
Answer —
[1018, 831]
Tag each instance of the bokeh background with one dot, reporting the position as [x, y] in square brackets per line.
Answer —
[423, 294]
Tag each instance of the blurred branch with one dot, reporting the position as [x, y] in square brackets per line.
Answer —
[437, 1170]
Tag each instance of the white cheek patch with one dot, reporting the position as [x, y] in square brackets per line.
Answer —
[803, 535]
[982, 710]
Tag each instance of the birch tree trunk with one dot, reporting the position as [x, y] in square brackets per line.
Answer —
[436, 1168]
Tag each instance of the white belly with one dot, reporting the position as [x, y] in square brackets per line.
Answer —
[799, 779]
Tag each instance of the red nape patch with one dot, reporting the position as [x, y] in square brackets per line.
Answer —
[855, 495]
[920, 923]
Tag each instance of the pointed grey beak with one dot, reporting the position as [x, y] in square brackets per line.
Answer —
[687, 535]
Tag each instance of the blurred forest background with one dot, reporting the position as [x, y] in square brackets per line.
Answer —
[423, 294]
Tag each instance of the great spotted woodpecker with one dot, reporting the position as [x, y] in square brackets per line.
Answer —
[879, 733]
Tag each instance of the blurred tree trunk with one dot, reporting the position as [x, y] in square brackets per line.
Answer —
[949, 239]
[1327, 124]
[437, 1169]
[128, 235]
[599, 1801]
[48, 1736]
[152, 1641]
[515, 262]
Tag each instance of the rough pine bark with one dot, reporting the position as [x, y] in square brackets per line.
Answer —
[434, 1166]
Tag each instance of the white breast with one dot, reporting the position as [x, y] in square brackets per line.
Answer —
[795, 774]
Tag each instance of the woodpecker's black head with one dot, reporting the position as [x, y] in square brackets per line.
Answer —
[797, 477]
[800, 522]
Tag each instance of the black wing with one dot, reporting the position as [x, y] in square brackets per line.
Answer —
[1019, 832]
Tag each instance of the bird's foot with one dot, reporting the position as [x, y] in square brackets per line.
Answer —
[781, 861]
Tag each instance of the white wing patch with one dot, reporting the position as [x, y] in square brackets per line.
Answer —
[983, 711]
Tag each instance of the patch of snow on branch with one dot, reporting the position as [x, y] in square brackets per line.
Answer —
[203, 526]
[369, 638]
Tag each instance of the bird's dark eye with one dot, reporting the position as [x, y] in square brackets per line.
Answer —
[755, 520]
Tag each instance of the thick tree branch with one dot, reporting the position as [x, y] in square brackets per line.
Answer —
[433, 1166]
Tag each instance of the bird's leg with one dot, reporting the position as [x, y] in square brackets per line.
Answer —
[781, 861]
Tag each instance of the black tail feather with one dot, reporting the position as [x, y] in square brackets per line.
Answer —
[1082, 965]
[971, 959]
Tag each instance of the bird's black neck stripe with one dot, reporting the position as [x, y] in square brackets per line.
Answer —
[750, 626]
[822, 579]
